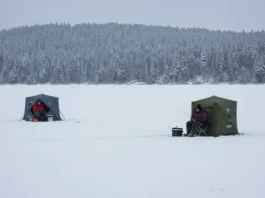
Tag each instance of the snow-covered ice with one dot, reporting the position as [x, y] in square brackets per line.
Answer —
[122, 144]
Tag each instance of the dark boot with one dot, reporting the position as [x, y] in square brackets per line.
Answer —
[188, 127]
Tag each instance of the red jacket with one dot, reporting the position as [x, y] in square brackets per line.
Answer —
[38, 108]
[201, 115]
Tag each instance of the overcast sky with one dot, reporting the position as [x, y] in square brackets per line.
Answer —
[233, 15]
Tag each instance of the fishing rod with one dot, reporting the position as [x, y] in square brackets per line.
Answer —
[185, 112]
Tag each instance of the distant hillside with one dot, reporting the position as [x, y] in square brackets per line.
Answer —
[117, 53]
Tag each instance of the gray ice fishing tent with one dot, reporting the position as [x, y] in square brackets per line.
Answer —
[51, 105]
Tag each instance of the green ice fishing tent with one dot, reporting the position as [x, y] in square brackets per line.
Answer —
[222, 114]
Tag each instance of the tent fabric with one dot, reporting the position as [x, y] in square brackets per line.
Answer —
[222, 115]
[51, 105]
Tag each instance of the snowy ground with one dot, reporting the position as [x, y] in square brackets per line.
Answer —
[122, 146]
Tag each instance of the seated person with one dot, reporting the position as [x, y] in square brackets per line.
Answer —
[199, 118]
[39, 111]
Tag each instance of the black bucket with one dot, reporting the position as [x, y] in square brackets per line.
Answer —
[177, 132]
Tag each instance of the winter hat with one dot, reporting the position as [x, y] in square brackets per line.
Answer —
[199, 107]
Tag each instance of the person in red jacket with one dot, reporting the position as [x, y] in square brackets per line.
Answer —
[39, 111]
[199, 118]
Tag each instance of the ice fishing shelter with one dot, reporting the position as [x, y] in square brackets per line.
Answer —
[51, 105]
[222, 115]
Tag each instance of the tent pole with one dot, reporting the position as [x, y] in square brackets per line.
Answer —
[62, 114]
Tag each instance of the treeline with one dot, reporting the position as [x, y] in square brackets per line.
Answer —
[117, 53]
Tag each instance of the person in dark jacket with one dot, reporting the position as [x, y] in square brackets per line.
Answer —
[199, 118]
[39, 111]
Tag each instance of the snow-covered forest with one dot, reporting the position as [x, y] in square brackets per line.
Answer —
[118, 53]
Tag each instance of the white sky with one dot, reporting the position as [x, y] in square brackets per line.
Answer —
[234, 15]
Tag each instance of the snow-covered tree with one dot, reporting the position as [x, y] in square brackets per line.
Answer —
[203, 66]
[118, 53]
[259, 68]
